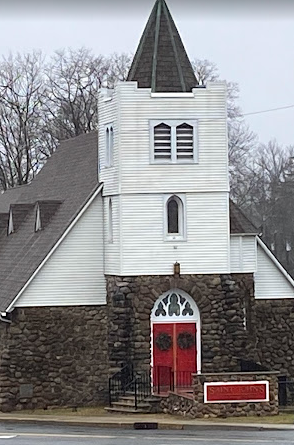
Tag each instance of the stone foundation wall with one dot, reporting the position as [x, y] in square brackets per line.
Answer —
[195, 407]
[220, 298]
[54, 357]
[275, 334]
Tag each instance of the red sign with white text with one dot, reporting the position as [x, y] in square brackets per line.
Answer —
[234, 392]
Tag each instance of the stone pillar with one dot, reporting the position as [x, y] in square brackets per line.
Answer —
[119, 295]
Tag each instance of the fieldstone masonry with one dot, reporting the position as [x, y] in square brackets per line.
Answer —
[195, 407]
[54, 357]
[63, 356]
[221, 300]
[275, 334]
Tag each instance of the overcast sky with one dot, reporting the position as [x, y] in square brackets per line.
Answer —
[252, 45]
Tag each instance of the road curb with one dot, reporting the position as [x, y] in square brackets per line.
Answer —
[161, 425]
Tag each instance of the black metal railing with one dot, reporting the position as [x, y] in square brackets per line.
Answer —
[182, 379]
[286, 391]
[119, 382]
[126, 381]
[165, 379]
[141, 387]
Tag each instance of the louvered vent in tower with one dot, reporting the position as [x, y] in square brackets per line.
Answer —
[185, 143]
[162, 142]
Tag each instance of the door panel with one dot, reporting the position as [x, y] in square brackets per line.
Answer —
[162, 360]
[185, 354]
[180, 359]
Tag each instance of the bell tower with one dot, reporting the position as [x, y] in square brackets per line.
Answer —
[163, 159]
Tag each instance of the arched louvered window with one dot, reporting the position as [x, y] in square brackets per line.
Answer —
[185, 142]
[174, 217]
[110, 221]
[162, 142]
[173, 142]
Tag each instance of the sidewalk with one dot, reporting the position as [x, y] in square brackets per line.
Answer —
[127, 422]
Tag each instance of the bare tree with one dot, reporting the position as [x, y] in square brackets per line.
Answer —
[21, 93]
[119, 66]
[73, 80]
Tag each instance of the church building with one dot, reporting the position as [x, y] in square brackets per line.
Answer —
[126, 249]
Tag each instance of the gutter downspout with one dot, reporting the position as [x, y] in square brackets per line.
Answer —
[5, 320]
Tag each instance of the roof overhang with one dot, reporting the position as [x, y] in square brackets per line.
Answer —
[275, 261]
[69, 228]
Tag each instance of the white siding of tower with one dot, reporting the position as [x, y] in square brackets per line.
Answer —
[141, 184]
[243, 254]
[108, 113]
[112, 248]
[271, 279]
[207, 106]
[74, 274]
[145, 252]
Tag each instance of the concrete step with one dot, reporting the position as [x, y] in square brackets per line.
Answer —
[131, 404]
[124, 410]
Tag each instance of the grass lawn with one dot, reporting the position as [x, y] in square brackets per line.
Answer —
[286, 418]
[282, 418]
[82, 412]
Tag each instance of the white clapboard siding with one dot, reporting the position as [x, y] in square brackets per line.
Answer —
[271, 279]
[112, 248]
[108, 114]
[131, 109]
[207, 107]
[243, 254]
[206, 249]
[73, 275]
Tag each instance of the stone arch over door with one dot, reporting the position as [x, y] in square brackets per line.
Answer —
[176, 334]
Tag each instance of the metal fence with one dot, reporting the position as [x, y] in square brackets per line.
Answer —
[286, 391]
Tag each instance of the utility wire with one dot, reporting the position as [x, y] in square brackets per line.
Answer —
[268, 111]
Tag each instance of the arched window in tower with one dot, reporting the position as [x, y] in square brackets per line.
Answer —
[174, 218]
[110, 221]
[111, 146]
[109, 138]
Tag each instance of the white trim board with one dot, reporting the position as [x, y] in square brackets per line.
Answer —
[265, 271]
[252, 383]
[48, 256]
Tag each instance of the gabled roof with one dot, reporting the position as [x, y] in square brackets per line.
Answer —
[239, 223]
[68, 179]
[161, 61]
[61, 189]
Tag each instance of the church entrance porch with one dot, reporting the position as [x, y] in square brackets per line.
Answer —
[175, 342]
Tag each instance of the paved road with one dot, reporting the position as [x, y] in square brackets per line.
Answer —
[11, 434]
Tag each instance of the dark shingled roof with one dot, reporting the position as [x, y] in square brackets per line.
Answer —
[61, 190]
[161, 61]
[65, 184]
[239, 222]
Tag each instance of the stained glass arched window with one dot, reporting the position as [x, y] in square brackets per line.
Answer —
[175, 305]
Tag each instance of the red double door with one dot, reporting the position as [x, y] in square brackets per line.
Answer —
[174, 354]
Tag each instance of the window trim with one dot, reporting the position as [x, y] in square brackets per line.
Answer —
[174, 123]
[109, 144]
[182, 235]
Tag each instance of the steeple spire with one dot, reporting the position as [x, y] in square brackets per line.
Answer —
[161, 61]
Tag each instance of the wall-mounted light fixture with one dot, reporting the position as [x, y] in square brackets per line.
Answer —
[177, 269]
